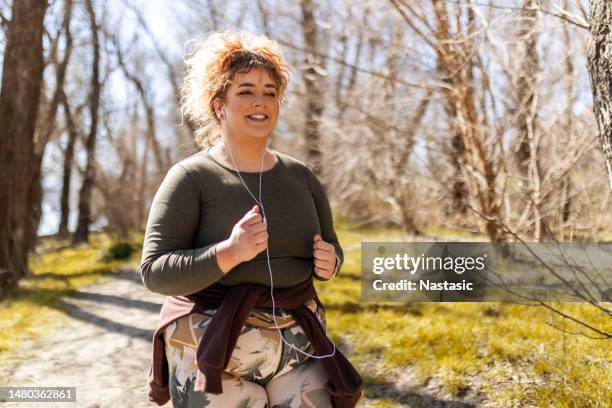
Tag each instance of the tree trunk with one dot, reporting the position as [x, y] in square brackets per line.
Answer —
[527, 84]
[600, 70]
[566, 182]
[468, 146]
[143, 183]
[312, 82]
[445, 66]
[67, 173]
[84, 219]
[48, 126]
[528, 123]
[19, 102]
[401, 195]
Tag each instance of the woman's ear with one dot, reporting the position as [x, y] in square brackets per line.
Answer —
[218, 109]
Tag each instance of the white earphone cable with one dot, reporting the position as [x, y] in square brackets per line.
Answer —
[260, 203]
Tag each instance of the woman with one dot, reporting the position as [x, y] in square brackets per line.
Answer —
[234, 237]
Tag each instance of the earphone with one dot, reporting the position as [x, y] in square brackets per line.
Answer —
[263, 210]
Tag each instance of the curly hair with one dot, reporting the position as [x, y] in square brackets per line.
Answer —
[213, 64]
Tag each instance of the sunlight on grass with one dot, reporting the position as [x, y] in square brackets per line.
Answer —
[509, 349]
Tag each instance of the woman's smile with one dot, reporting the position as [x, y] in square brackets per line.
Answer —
[259, 118]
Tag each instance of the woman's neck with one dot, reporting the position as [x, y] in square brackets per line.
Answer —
[246, 156]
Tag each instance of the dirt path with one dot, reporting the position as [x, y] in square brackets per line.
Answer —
[107, 321]
[103, 349]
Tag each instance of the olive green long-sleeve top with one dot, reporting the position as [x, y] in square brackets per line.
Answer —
[199, 202]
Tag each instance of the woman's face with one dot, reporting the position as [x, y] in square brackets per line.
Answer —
[251, 104]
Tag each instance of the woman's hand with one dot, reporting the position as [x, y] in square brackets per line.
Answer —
[249, 237]
[324, 257]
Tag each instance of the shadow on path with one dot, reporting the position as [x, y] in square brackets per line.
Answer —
[109, 325]
[379, 390]
[353, 307]
[60, 300]
[129, 275]
[126, 274]
[117, 300]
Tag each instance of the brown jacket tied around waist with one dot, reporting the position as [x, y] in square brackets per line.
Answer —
[233, 304]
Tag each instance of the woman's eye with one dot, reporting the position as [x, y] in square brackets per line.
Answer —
[270, 94]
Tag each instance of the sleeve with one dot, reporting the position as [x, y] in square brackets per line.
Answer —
[170, 265]
[325, 219]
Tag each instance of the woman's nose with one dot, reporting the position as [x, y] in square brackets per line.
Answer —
[260, 101]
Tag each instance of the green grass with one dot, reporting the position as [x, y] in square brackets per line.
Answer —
[32, 308]
[509, 349]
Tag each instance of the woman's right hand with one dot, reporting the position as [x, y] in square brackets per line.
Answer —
[249, 237]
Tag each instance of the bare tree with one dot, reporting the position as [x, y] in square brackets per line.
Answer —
[81, 233]
[171, 67]
[122, 204]
[313, 81]
[19, 104]
[527, 86]
[48, 123]
[600, 70]
[394, 133]
[470, 158]
[343, 94]
[146, 98]
[566, 182]
[74, 133]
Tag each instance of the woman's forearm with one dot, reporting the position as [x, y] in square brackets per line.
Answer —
[180, 272]
[226, 257]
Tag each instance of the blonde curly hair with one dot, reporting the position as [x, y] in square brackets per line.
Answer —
[213, 64]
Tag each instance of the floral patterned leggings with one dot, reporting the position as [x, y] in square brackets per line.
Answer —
[262, 372]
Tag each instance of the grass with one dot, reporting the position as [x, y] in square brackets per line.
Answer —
[32, 308]
[507, 351]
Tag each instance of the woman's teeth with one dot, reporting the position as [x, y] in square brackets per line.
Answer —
[259, 118]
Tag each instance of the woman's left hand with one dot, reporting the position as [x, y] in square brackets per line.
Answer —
[324, 257]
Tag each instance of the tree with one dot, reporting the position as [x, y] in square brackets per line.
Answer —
[528, 122]
[19, 101]
[73, 135]
[456, 55]
[600, 70]
[48, 120]
[84, 219]
[314, 88]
